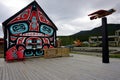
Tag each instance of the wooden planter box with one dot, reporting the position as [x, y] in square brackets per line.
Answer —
[50, 53]
[56, 52]
[65, 52]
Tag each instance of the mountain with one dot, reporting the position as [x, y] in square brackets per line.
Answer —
[84, 35]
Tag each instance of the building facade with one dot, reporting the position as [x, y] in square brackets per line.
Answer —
[114, 40]
[28, 33]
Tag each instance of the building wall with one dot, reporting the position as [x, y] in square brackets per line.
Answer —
[28, 34]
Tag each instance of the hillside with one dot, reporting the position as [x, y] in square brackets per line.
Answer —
[84, 35]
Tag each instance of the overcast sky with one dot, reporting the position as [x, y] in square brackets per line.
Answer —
[70, 16]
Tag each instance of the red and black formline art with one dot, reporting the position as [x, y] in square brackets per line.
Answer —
[28, 33]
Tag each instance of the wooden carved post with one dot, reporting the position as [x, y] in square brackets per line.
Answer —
[102, 14]
[105, 49]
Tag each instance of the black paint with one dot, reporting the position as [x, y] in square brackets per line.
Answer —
[105, 49]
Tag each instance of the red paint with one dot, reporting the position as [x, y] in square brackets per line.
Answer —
[22, 17]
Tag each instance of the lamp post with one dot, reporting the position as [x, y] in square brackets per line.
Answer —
[105, 47]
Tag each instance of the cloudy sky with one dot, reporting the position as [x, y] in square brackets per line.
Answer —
[70, 16]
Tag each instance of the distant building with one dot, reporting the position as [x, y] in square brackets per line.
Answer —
[114, 40]
[28, 33]
[1, 43]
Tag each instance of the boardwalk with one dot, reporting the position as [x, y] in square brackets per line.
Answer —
[78, 67]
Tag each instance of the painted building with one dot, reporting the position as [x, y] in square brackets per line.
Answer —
[28, 33]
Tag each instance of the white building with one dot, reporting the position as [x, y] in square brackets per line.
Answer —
[114, 40]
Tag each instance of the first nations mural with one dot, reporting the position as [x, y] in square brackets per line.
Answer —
[28, 33]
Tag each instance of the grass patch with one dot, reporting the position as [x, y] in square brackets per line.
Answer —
[98, 54]
[114, 55]
[91, 54]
